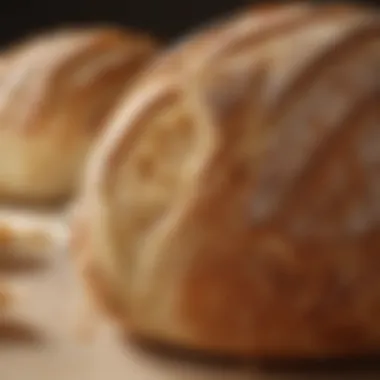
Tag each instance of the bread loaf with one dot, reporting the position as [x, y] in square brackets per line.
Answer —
[56, 91]
[233, 205]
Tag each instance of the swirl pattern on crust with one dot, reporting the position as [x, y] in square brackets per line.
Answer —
[234, 203]
[56, 90]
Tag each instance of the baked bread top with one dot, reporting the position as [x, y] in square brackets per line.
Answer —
[56, 90]
[234, 203]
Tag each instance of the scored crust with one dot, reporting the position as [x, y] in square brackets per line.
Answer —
[56, 91]
[233, 205]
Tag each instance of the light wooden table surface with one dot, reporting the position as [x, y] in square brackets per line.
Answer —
[51, 350]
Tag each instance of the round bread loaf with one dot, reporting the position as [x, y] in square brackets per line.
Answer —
[233, 205]
[56, 90]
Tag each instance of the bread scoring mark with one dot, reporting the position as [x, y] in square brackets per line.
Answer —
[124, 129]
[263, 31]
[223, 36]
[232, 101]
[150, 181]
[363, 32]
[129, 124]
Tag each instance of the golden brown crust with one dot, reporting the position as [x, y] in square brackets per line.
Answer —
[56, 91]
[233, 205]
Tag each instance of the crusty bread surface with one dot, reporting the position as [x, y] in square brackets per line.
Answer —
[56, 92]
[233, 205]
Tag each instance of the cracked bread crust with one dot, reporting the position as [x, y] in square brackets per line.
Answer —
[233, 205]
[56, 91]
